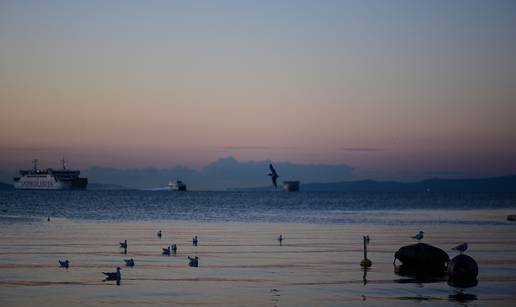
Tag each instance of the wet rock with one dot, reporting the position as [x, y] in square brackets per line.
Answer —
[422, 257]
[463, 269]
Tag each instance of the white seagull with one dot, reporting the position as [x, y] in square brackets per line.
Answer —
[419, 236]
[461, 247]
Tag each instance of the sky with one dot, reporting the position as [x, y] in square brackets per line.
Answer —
[393, 89]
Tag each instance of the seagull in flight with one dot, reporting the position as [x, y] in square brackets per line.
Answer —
[274, 175]
[461, 247]
[419, 236]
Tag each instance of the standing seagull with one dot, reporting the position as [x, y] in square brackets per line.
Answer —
[461, 247]
[159, 234]
[419, 236]
[273, 175]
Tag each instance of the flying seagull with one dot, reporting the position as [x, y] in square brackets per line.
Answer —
[461, 247]
[419, 236]
[273, 175]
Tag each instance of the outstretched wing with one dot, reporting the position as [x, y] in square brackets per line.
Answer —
[273, 171]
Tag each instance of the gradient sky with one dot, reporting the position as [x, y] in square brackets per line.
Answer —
[395, 89]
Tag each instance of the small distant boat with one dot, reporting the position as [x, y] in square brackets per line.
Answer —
[291, 186]
[177, 186]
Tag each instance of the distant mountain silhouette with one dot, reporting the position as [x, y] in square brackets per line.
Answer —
[506, 184]
[218, 175]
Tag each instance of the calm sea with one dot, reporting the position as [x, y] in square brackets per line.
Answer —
[240, 260]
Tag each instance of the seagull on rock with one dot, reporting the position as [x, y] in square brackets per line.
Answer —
[419, 236]
[461, 247]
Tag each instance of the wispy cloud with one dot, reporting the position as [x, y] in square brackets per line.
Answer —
[23, 148]
[363, 149]
[247, 147]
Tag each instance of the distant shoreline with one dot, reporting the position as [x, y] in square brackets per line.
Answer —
[504, 184]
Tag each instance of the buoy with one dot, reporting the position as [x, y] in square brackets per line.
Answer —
[365, 263]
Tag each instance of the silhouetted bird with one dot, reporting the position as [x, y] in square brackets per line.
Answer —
[159, 234]
[419, 236]
[129, 262]
[166, 251]
[461, 247]
[123, 244]
[194, 262]
[195, 240]
[113, 275]
[173, 248]
[274, 175]
[64, 264]
[280, 239]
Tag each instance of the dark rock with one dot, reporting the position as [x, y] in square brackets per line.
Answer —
[422, 256]
[463, 269]
[511, 217]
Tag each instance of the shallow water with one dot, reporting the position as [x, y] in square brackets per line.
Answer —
[241, 263]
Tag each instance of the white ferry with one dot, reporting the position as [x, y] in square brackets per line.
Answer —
[50, 179]
[177, 186]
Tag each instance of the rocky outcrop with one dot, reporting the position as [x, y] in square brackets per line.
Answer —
[422, 256]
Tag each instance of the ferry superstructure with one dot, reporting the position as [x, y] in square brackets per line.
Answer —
[50, 179]
[177, 186]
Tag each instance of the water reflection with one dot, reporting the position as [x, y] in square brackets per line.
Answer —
[461, 297]
[418, 275]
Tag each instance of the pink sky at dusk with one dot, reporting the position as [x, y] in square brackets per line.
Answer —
[391, 89]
